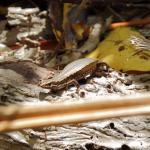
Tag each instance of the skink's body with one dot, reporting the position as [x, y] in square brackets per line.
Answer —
[74, 71]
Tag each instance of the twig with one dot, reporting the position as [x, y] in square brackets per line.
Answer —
[136, 22]
[61, 119]
[17, 117]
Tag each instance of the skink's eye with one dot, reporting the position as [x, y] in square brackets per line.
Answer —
[102, 66]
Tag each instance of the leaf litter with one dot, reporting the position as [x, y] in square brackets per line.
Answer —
[34, 47]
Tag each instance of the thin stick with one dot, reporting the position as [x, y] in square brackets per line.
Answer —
[136, 22]
[17, 112]
[64, 118]
[17, 117]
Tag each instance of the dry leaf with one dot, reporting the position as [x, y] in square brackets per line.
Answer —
[122, 52]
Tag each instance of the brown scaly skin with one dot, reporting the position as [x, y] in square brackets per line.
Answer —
[94, 67]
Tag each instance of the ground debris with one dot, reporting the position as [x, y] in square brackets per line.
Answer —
[41, 34]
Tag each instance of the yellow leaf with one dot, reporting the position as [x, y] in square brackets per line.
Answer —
[124, 49]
